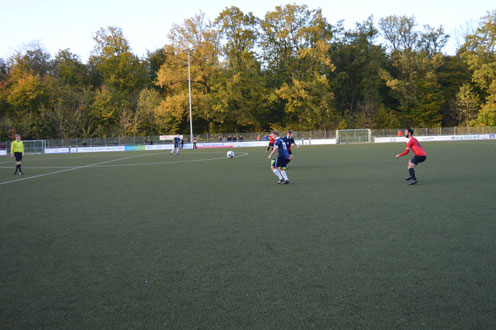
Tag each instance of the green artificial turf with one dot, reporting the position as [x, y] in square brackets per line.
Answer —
[201, 241]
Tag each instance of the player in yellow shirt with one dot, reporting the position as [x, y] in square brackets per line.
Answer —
[17, 150]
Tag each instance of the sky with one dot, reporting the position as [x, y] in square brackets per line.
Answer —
[62, 24]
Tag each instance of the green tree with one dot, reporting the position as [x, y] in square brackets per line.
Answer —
[71, 111]
[239, 91]
[479, 51]
[432, 40]
[198, 37]
[296, 50]
[4, 70]
[4, 83]
[112, 58]
[386, 119]
[413, 79]
[154, 61]
[105, 110]
[356, 83]
[452, 74]
[148, 103]
[309, 102]
[69, 69]
[400, 32]
[121, 75]
[468, 104]
[35, 61]
[27, 94]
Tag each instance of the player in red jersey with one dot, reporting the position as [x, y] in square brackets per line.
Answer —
[419, 155]
[271, 143]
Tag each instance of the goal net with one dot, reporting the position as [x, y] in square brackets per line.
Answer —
[34, 146]
[353, 136]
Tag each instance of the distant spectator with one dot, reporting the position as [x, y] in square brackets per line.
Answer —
[228, 138]
[194, 143]
[220, 138]
[3, 146]
[400, 133]
[182, 143]
[258, 138]
[241, 138]
[144, 141]
[115, 142]
[150, 141]
[85, 144]
[234, 138]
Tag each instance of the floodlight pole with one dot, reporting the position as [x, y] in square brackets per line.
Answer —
[190, 114]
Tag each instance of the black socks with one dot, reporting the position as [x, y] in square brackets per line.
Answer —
[412, 173]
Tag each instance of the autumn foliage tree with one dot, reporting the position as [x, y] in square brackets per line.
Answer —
[290, 68]
[195, 42]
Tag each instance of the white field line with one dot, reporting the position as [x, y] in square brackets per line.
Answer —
[121, 165]
[39, 167]
[240, 154]
[79, 156]
[173, 162]
[73, 168]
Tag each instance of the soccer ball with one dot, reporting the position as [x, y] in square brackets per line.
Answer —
[230, 154]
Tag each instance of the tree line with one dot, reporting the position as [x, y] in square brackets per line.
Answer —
[289, 69]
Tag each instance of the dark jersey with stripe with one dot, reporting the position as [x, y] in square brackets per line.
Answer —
[289, 141]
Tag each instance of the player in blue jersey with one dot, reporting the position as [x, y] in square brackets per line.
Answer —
[288, 139]
[177, 141]
[282, 159]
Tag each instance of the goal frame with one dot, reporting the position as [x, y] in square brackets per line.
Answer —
[343, 136]
[34, 146]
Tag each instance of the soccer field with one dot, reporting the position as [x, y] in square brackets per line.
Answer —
[148, 240]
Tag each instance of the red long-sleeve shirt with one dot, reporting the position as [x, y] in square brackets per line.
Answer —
[415, 146]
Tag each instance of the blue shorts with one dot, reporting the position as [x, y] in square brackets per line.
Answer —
[18, 156]
[176, 145]
[281, 162]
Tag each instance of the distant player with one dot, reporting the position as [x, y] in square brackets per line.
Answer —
[271, 143]
[288, 139]
[177, 141]
[17, 151]
[419, 155]
[281, 160]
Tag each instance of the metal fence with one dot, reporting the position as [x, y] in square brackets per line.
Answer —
[260, 136]
[435, 131]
